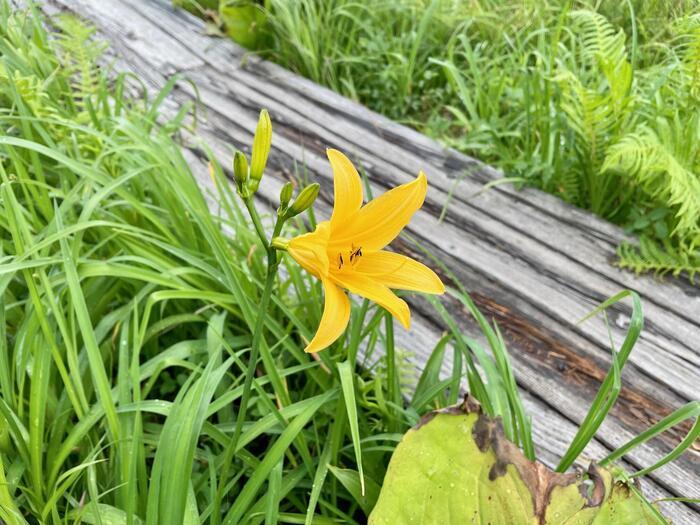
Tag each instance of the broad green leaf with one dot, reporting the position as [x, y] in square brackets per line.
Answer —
[457, 467]
[623, 507]
[244, 23]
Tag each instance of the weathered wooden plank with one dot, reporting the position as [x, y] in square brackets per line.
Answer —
[324, 106]
[531, 261]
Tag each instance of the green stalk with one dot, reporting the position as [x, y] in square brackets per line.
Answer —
[392, 378]
[272, 264]
[255, 351]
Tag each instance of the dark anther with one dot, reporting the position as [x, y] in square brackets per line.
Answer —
[355, 253]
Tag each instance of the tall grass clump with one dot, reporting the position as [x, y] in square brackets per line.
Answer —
[136, 385]
[596, 102]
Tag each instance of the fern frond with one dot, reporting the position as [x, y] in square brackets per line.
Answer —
[31, 90]
[590, 116]
[660, 174]
[689, 53]
[650, 256]
[599, 38]
[78, 55]
[568, 184]
[595, 111]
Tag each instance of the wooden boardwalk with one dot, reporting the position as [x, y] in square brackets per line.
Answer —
[529, 260]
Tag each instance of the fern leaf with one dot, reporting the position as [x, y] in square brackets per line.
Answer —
[79, 53]
[595, 111]
[689, 52]
[599, 37]
[660, 174]
[650, 256]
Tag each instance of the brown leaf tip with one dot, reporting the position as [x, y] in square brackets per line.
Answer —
[469, 406]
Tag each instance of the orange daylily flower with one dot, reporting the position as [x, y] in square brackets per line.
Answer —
[347, 253]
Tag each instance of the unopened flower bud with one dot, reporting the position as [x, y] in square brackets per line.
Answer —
[280, 244]
[240, 169]
[306, 198]
[286, 195]
[261, 146]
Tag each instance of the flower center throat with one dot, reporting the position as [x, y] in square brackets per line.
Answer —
[352, 256]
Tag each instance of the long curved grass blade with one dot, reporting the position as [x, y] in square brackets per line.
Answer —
[610, 389]
[688, 411]
[346, 383]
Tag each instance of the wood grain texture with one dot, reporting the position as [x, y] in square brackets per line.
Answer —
[530, 261]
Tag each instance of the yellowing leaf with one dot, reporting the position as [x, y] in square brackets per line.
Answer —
[457, 467]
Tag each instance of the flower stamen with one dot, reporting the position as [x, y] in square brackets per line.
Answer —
[355, 254]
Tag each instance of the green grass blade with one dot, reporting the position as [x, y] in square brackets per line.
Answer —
[607, 394]
[347, 385]
[170, 478]
[273, 495]
[272, 458]
[365, 493]
[688, 411]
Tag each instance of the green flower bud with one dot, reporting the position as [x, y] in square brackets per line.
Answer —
[286, 195]
[306, 198]
[261, 146]
[240, 170]
[280, 244]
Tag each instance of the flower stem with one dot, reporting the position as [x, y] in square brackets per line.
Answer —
[392, 378]
[257, 223]
[272, 264]
[254, 352]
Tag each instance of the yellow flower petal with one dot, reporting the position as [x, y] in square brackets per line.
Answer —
[374, 291]
[344, 252]
[309, 250]
[398, 271]
[347, 188]
[382, 219]
[336, 314]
